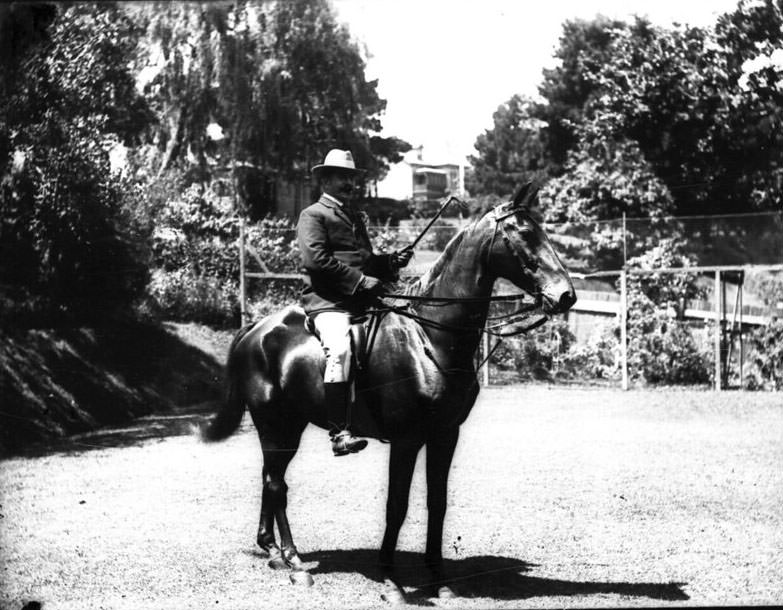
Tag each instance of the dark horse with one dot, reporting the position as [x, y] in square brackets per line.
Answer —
[419, 381]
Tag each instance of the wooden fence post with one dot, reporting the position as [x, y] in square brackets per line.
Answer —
[485, 348]
[718, 299]
[623, 314]
[242, 286]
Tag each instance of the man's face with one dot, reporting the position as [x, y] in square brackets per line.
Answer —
[340, 184]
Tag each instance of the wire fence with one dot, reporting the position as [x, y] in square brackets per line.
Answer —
[669, 300]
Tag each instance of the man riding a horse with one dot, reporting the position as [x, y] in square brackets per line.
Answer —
[419, 382]
[343, 277]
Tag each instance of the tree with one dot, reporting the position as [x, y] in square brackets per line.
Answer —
[511, 153]
[283, 81]
[703, 106]
[602, 180]
[585, 46]
[68, 235]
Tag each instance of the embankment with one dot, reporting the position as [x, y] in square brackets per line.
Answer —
[64, 381]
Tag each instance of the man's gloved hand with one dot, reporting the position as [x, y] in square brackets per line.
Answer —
[371, 285]
[401, 258]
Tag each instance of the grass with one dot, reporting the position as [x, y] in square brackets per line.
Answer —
[558, 498]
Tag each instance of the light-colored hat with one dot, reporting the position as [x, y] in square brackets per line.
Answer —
[337, 159]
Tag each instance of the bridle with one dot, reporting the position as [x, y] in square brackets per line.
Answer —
[529, 264]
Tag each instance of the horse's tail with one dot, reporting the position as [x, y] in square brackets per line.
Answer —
[229, 416]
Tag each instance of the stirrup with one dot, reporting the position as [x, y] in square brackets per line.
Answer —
[344, 443]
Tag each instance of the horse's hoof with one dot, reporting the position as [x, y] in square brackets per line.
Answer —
[278, 563]
[295, 562]
[393, 594]
[445, 592]
[301, 577]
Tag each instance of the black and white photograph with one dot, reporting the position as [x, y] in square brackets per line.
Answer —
[329, 304]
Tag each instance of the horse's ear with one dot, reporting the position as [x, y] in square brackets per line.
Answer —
[525, 195]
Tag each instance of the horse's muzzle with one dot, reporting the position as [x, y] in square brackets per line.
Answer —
[562, 304]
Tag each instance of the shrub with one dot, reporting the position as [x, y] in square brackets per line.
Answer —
[70, 232]
[199, 230]
[274, 240]
[183, 295]
[661, 347]
[534, 355]
[387, 238]
[598, 358]
[763, 369]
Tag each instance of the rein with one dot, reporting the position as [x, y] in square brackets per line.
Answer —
[528, 263]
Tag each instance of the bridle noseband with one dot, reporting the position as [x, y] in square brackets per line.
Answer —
[528, 263]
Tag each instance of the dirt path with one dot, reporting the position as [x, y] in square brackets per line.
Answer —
[558, 498]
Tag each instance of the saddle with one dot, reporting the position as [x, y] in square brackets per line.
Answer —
[362, 333]
[365, 420]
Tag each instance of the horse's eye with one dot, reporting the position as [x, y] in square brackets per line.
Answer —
[526, 232]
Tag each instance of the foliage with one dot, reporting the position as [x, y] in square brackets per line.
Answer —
[386, 238]
[197, 259]
[254, 72]
[769, 286]
[604, 179]
[198, 230]
[661, 346]
[763, 368]
[509, 154]
[534, 355]
[274, 239]
[696, 113]
[69, 233]
[183, 295]
[270, 296]
[597, 358]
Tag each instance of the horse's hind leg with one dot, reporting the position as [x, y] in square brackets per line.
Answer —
[278, 450]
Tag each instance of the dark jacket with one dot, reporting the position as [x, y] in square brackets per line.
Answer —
[336, 252]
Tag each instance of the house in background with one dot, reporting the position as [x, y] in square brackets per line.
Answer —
[425, 181]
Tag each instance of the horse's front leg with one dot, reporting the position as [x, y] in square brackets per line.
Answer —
[402, 461]
[440, 451]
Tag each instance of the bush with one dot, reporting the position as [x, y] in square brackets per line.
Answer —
[197, 258]
[183, 295]
[68, 233]
[661, 347]
[599, 358]
[663, 350]
[274, 240]
[534, 355]
[387, 238]
[763, 369]
[198, 229]
[272, 296]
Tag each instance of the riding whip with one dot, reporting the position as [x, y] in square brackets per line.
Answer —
[462, 205]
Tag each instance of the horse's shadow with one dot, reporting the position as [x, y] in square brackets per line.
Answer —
[501, 578]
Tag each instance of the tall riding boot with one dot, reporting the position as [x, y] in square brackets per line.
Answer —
[337, 405]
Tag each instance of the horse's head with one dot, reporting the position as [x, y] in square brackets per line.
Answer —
[521, 252]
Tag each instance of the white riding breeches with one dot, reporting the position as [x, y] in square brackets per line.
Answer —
[334, 328]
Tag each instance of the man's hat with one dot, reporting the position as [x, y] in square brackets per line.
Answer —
[337, 159]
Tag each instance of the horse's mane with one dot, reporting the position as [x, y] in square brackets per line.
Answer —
[423, 285]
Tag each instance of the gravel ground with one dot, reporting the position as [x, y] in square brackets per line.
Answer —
[558, 498]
